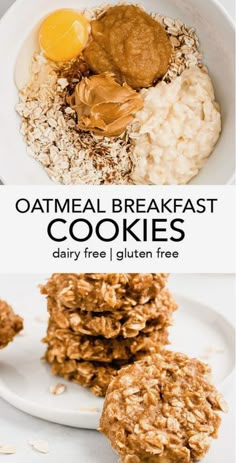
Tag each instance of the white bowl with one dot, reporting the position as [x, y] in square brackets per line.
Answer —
[215, 30]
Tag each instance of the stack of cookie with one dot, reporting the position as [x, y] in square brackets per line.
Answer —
[100, 322]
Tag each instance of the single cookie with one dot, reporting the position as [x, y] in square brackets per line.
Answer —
[99, 292]
[127, 323]
[63, 344]
[10, 324]
[163, 409]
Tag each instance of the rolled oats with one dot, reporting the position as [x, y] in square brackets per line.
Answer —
[69, 155]
[185, 44]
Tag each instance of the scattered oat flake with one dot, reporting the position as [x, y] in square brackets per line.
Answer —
[210, 351]
[40, 445]
[58, 389]
[7, 449]
[89, 409]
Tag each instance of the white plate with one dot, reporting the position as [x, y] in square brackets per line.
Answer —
[216, 32]
[25, 380]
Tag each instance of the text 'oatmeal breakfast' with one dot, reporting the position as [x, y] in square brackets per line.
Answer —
[118, 96]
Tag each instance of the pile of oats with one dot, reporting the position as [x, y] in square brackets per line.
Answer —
[69, 155]
[10, 324]
[101, 322]
[185, 43]
[163, 408]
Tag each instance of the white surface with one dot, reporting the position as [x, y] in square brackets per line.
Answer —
[216, 33]
[31, 392]
[89, 446]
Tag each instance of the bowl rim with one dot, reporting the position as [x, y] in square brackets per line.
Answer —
[217, 3]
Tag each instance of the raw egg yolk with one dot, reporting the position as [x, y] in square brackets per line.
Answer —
[63, 34]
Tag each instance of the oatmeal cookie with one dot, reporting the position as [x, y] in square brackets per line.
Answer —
[10, 324]
[102, 292]
[94, 375]
[63, 344]
[127, 323]
[162, 409]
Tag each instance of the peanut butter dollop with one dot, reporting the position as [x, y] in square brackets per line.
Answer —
[103, 106]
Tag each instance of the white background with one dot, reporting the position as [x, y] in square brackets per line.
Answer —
[77, 446]
[81, 446]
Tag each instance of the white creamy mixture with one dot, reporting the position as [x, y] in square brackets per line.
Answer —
[177, 129]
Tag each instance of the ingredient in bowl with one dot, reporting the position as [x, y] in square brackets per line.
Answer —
[129, 43]
[163, 409]
[103, 106]
[176, 130]
[69, 155]
[63, 34]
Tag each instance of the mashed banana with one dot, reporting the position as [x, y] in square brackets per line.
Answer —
[129, 43]
[176, 130]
